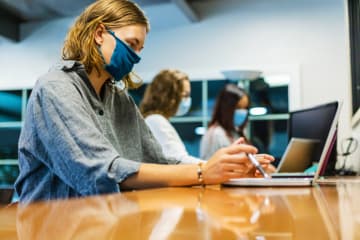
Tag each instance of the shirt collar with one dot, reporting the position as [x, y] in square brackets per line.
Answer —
[67, 65]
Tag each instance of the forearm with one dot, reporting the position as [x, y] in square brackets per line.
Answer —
[157, 175]
[226, 163]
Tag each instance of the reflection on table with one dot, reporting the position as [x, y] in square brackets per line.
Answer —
[215, 212]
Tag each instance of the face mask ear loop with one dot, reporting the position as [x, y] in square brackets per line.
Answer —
[98, 47]
[111, 32]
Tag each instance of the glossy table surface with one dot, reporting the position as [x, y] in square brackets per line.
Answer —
[329, 211]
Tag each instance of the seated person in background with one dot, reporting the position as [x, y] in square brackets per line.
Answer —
[228, 120]
[166, 96]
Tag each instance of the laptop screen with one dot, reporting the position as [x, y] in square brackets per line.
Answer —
[315, 123]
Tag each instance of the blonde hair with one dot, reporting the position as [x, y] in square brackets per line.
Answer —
[164, 93]
[80, 44]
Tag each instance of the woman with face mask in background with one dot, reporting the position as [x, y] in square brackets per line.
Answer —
[83, 135]
[166, 96]
[228, 120]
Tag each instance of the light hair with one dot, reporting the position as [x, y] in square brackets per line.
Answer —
[163, 95]
[80, 44]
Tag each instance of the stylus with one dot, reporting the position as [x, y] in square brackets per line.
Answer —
[258, 165]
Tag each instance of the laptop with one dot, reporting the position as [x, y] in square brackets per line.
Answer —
[298, 157]
[319, 123]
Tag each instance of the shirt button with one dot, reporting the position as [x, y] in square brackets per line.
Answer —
[101, 112]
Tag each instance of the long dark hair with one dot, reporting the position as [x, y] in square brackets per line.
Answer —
[225, 106]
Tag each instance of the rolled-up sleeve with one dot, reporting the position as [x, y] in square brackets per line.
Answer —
[74, 146]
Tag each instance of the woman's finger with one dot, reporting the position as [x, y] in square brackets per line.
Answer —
[270, 168]
[258, 174]
[264, 157]
[235, 158]
[241, 168]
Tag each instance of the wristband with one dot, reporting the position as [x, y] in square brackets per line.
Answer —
[200, 174]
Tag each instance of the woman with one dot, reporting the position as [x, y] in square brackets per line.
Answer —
[166, 96]
[228, 120]
[84, 136]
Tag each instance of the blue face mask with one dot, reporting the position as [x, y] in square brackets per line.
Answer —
[184, 106]
[240, 116]
[122, 59]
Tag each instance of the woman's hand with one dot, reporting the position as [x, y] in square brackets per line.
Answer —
[265, 160]
[228, 162]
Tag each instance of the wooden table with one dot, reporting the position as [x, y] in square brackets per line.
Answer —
[215, 212]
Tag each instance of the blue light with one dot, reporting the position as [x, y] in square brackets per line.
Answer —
[200, 131]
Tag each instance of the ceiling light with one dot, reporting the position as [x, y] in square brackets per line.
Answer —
[256, 111]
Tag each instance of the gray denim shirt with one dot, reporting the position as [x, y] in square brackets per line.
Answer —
[75, 143]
